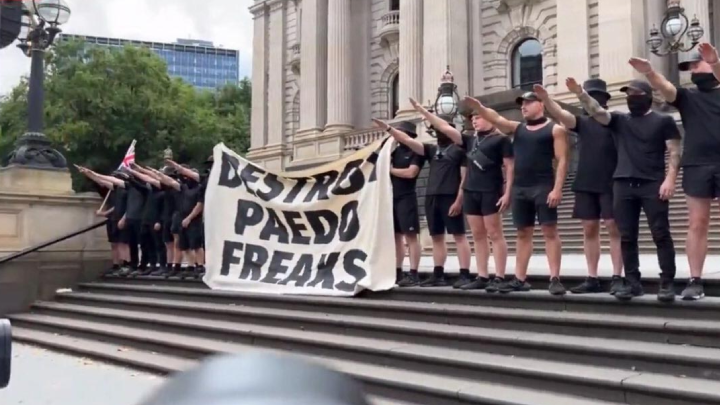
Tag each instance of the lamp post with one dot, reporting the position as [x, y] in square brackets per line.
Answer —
[40, 26]
[447, 102]
[675, 27]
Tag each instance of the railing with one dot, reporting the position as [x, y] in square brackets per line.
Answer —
[51, 242]
[391, 19]
[357, 140]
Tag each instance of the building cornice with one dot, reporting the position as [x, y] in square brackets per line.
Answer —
[275, 5]
[259, 9]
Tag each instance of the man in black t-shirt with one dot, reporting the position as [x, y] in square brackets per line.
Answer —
[699, 109]
[406, 166]
[640, 183]
[150, 229]
[443, 199]
[597, 158]
[137, 191]
[484, 195]
[537, 185]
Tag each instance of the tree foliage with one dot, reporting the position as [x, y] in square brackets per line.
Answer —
[97, 100]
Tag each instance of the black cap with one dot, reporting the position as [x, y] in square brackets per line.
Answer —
[638, 85]
[693, 56]
[407, 127]
[529, 96]
[596, 86]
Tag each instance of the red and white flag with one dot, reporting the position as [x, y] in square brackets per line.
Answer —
[129, 157]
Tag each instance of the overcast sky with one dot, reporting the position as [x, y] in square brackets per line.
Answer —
[225, 22]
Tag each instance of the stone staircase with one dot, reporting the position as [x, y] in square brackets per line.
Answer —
[571, 230]
[410, 346]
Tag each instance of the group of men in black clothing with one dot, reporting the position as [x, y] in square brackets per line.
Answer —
[622, 169]
[155, 219]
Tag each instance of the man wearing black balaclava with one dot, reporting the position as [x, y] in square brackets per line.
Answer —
[597, 158]
[700, 112]
[640, 183]
[443, 199]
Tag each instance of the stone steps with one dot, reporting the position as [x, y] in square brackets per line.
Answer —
[410, 346]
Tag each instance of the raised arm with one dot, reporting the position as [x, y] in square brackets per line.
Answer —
[504, 125]
[438, 123]
[89, 174]
[593, 108]
[657, 80]
[407, 173]
[563, 117]
[710, 55]
[153, 181]
[168, 181]
[183, 170]
[560, 144]
[401, 137]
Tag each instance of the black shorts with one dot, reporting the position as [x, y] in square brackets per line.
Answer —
[117, 235]
[406, 219]
[191, 238]
[176, 224]
[437, 212]
[167, 236]
[593, 206]
[702, 181]
[481, 203]
[529, 202]
[111, 231]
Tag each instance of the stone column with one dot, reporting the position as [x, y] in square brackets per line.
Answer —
[477, 73]
[258, 124]
[313, 67]
[411, 47]
[277, 52]
[716, 23]
[339, 83]
[573, 48]
[622, 35]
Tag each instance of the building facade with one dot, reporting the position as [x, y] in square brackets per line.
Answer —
[323, 68]
[199, 63]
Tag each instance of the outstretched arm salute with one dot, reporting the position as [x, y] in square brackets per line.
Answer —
[504, 125]
[593, 108]
[438, 123]
[563, 117]
[401, 137]
[657, 80]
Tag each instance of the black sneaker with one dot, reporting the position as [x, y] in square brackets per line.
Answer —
[173, 272]
[515, 285]
[411, 280]
[148, 271]
[124, 271]
[189, 272]
[478, 284]
[463, 280]
[666, 293]
[199, 272]
[496, 285]
[435, 281]
[694, 290]
[590, 285]
[629, 291]
[556, 287]
[616, 284]
[159, 272]
[113, 271]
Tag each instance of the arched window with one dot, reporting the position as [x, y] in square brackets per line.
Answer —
[527, 64]
[395, 96]
[394, 5]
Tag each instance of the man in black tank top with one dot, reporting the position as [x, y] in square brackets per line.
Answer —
[640, 182]
[593, 184]
[484, 197]
[537, 187]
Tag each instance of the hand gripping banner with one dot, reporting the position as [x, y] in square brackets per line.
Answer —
[324, 231]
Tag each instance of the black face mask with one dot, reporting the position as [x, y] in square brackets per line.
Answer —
[538, 121]
[442, 139]
[705, 81]
[639, 105]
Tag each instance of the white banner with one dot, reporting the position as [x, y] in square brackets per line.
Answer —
[324, 231]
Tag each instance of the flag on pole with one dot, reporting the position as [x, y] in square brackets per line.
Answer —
[129, 157]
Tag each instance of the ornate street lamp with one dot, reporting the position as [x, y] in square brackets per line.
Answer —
[670, 38]
[40, 25]
[447, 102]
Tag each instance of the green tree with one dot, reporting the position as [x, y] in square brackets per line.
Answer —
[97, 100]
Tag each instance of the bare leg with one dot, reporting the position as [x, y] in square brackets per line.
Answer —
[399, 250]
[553, 249]
[591, 246]
[170, 251]
[524, 252]
[200, 257]
[493, 225]
[482, 248]
[414, 247]
[615, 252]
[699, 223]
[463, 249]
[115, 250]
[439, 250]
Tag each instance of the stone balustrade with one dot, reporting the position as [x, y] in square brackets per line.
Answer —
[359, 139]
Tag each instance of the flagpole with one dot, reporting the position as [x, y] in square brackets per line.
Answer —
[132, 145]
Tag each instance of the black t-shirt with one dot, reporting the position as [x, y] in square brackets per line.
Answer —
[136, 195]
[534, 154]
[153, 206]
[119, 198]
[169, 207]
[597, 156]
[402, 158]
[189, 198]
[700, 112]
[445, 162]
[641, 144]
[485, 157]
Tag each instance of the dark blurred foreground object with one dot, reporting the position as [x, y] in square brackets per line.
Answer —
[10, 16]
[5, 352]
[259, 379]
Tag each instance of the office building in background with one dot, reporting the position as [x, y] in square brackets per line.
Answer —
[197, 62]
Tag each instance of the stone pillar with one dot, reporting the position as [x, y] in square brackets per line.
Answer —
[477, 61]
[258, 125]
[411, 48]
[622, 35]
[573, 48]
[313, 67]
[277, 51]
[339, 83]
[715, 23]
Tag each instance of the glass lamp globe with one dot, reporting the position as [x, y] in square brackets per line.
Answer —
[446, 105]
[695, 32]
[53, 12]
[674, 26]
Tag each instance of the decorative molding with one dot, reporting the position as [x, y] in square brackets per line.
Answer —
[259, 9]
[504, 6]
[275, 5]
